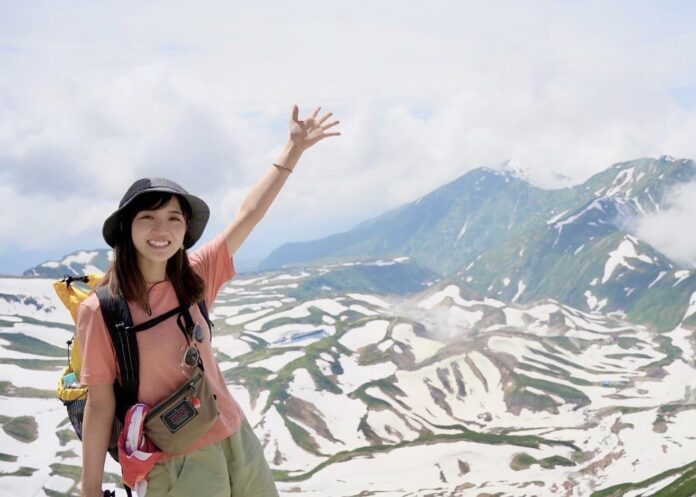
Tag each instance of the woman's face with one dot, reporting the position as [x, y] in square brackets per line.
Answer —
[159, 234]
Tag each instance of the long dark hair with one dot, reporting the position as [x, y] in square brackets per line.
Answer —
[124, 278]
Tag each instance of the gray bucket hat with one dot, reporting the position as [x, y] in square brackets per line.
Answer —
[199, 210]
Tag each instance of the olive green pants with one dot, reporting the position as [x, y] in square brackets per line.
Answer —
[233, 467]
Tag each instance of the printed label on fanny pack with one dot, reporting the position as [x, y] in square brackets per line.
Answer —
[178, 415]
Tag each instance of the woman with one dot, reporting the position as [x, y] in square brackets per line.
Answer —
[155, 223]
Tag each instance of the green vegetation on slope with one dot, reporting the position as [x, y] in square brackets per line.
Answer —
[523, 461]
[23, 471]
[683, 486]
[7, 389]
[30, 345]
[22, 428]
[428, 439]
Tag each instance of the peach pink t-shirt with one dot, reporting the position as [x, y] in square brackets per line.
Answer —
[161, 347]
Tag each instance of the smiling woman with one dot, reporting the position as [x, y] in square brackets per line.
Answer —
[163, 224]
[195, 431]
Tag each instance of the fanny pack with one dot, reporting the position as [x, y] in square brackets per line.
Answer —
[177, 422]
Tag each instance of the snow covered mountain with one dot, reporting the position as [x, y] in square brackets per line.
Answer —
[76, 264]
[437, 393]
[494, 233]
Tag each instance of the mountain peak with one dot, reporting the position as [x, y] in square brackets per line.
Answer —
[536, 177]
[510, 168]
[76, 264]
[515, 168]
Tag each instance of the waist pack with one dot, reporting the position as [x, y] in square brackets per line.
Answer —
[176, 423]
[122, 332]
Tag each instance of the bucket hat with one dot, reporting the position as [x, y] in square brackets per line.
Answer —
[200, 212]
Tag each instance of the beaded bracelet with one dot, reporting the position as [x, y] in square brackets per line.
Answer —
[283, 167]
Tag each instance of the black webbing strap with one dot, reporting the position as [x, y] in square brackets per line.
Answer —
[187, 324]
[118, 320]
[157, 320]
[204, 311]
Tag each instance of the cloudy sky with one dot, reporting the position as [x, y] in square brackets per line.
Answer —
[94, 95]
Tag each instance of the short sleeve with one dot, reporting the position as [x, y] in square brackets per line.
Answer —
[98, 354]
[214, 264]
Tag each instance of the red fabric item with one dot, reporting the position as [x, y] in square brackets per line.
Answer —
[136, 454]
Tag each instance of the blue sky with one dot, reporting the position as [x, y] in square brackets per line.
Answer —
[96, 95]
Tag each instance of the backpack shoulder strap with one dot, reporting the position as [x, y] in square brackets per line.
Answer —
[204, 312]
[119, 322]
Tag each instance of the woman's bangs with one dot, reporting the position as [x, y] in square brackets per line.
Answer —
[156, 200]
[151, 201]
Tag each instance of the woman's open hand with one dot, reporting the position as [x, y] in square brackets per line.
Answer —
[306, 133]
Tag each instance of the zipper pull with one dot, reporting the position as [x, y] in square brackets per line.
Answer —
[195, 401]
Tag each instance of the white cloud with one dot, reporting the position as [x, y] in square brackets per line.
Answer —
[40, 220]
[96, 96]
[671, 231]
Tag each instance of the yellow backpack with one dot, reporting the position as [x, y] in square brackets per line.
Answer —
[71, 295]
[74, 396]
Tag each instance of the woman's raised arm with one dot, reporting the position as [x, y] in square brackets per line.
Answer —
[303, 134]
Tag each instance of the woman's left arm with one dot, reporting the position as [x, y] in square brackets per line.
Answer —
[303, 134]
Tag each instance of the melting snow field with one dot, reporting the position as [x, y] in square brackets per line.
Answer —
[423, 470]
[278, 361]
[35, 298]
[372, 332]
[421, 348]
[401, 380]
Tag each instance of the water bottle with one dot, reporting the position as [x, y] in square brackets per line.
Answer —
[70, 380]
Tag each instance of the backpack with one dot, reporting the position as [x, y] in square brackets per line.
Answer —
[119, 322]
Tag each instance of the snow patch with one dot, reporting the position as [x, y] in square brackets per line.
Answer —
[279, 361]
[622, 179]
[462, 231]
[422, 348]
[618, 258]
[681, 276]
[692, 306]
[372, 333]
[370, 299]
[556, 218]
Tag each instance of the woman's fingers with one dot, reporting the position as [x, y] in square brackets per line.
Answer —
[312, 127]
[295, 112]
